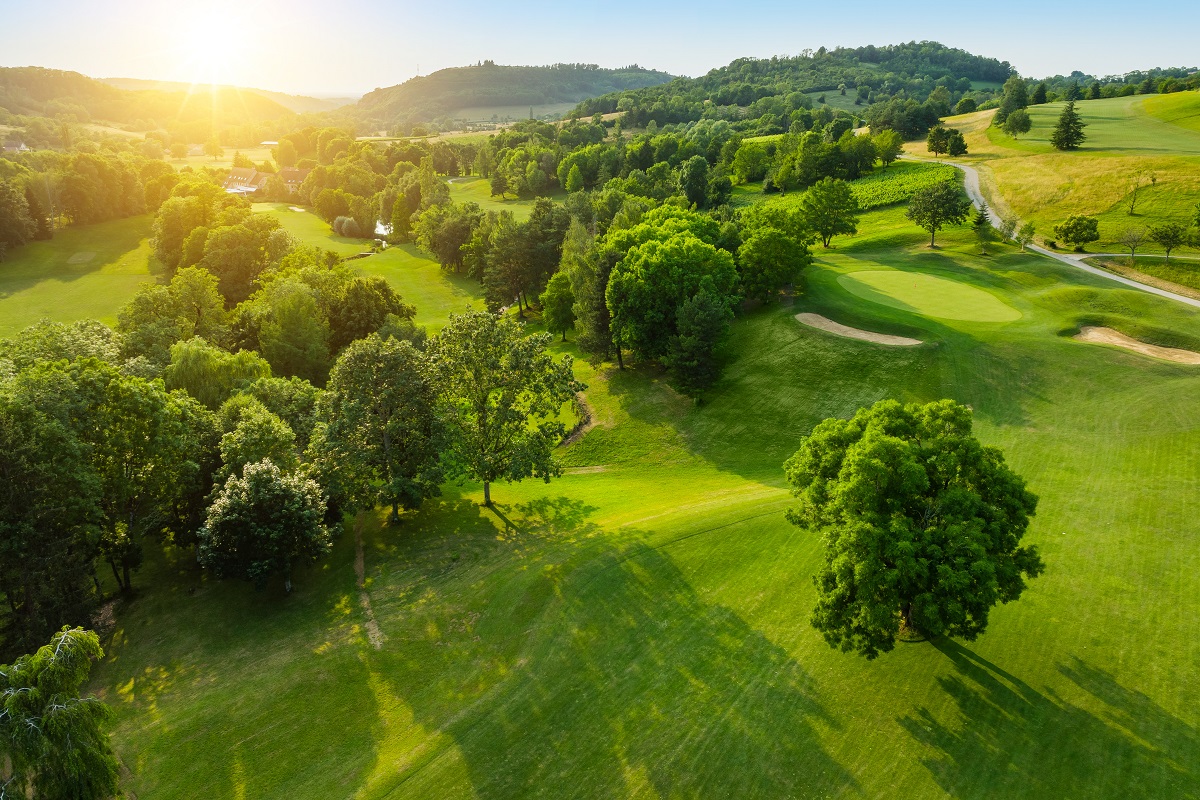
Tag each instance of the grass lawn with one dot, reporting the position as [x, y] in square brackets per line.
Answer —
[84, 272]
[1177, 272]
[418, 278]
[927, 295]
[1028, 178]
[638, 627]
[474, 189]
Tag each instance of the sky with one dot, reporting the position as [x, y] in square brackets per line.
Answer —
[352, 46]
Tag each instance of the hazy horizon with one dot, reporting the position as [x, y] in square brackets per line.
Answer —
[306, 49]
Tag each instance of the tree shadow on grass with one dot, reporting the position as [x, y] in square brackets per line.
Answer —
[618, 681]
[1017, 742]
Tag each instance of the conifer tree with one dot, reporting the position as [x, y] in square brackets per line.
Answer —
[1068, 134]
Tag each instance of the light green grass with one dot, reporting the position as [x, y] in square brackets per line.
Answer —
[838, 101]
[474, 189]
[307, 228]
[1029, 179]
[927, 295]
[638, 628]
[84, 272]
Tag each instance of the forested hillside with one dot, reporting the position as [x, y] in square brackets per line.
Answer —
[750, 87]
[447, 91]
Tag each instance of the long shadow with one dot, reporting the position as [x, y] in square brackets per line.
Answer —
[622, 682]
[1014, 741]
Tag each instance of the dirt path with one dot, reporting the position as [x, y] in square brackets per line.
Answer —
[1118, 339]
[374, 634]
[971, 184]
[838, 329]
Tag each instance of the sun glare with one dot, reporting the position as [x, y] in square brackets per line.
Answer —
[211, 52]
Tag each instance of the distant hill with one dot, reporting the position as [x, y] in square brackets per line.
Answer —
[37, 91]
[300, 104]
[913, 69]
[447, 92]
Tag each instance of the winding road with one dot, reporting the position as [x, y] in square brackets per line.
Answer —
[971, 183]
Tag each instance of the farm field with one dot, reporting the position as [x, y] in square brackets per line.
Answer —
[1030, 179]
[639, 627]
[86, 272]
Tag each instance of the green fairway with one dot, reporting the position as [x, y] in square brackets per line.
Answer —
[927, 295]
[473, 189]
[639, 627]
[308, 228]
[85, 272]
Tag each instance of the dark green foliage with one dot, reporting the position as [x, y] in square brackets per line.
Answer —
[49, 515]
[1168, 236]
[921, 523]
[966, 106]
[1068, 133]
[701, 325]
[693, 181]
[264, 523]
[1015, 96]
[379, 439]
[52, 738]
[943, 204]
[17, 225]
[1039, 94]
[1077, 231]
[211, 374]
[588, 272]
[982, 226]
[501, 394]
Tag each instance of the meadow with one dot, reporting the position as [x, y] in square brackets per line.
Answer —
[886, 186]
[1026, 177]
[474, 189]
[639, 626]
[86, 272]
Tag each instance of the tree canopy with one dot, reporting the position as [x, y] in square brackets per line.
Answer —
[922, 525]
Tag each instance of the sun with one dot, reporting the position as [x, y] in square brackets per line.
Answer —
[212, 51]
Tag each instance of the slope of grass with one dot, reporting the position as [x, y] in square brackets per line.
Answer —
[1028, 178]
[84, 272]
[638, 628]
[474, 189]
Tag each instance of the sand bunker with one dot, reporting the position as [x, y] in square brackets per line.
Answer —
[838, 329]
[296, 208]
[1118, 339]
[81, 258]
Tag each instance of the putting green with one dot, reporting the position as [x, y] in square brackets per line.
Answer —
[927, 295]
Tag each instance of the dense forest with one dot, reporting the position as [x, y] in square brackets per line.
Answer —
[448, 91]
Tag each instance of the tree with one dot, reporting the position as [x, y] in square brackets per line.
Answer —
[1139, 179]
[1025, 235]
[557, 302]
[17, 225]
[380, 438]
[1132, 239]
[1073, 92]
[1015, 96]
[574, 179]
[499, 184]
[501, 394]
[294, 337]
[956, 145]
[213, 148]
[768, 260]
[263, 523]
[179, 151]
[1068, 133]
[1039, 94]
[938, 140]
[211, 374]
[829, 208]
[1017, 123]
[943, 204]
[1078, 230]
[701, 324]
[54, 739]
[921, 523]
[888, 145]
[1008, 228]
[49, 508]
[693, 180]
[982, 225]
[252, 434]
[589, 280]
[1169, 236]
[967, 105]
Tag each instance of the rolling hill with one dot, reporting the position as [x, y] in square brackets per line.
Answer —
[447, 92]
[299, 104]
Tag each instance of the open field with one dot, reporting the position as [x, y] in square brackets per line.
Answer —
[1030, 179]
[638, 628]
[474, 189]
[255, 154]
[83, 272]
